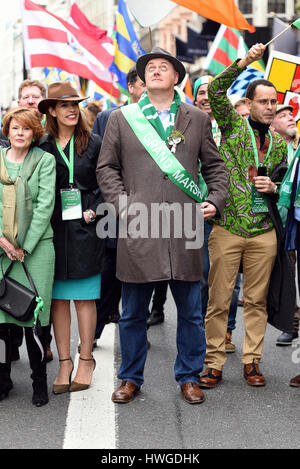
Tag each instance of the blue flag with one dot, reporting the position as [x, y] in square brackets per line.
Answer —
[240, 85]
[127, 46]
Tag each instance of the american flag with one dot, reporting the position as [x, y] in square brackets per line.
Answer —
[50, 41]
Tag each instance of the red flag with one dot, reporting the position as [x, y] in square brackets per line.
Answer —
[221, 11]
[81, 21]
[50, 41]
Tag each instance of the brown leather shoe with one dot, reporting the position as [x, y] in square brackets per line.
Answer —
[125, 393]
[229, 346]
[192, 393]
[295, 382]
[253, 375]
[210, 378]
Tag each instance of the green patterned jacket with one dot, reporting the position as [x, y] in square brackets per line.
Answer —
[237, 151]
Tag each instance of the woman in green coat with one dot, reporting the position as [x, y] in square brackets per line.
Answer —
[27, 194]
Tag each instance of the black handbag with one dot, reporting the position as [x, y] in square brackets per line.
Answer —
[16, 300]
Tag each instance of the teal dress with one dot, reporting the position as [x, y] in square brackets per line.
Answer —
[77, 289]
[39, 238]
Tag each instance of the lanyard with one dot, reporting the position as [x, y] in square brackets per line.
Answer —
[69, 163]
[255, 146]
[290, 153]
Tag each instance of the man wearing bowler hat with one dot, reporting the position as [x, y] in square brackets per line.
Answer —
[150, 153]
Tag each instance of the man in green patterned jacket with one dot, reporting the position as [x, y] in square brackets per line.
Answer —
[245, 232]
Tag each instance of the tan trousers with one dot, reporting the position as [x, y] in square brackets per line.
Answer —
[226, 250]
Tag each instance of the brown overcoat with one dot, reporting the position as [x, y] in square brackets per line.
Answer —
[125, 167]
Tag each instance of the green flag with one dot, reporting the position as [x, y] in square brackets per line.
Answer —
[297, 23]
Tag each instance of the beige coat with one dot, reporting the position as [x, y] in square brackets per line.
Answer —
[125, 167]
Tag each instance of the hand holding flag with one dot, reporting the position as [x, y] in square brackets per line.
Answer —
[255, 53]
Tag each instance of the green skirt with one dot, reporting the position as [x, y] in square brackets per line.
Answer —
[40, 265]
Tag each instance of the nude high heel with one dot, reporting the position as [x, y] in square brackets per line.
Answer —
[81, 386]
[62, 388]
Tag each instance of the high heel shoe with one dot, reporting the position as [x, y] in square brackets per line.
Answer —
[62, 388]
[81, 386]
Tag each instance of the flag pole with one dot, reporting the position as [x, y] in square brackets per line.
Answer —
[279, 34]
[151, 45]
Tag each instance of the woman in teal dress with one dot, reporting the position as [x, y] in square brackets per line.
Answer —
[79, 253]
[27, 194]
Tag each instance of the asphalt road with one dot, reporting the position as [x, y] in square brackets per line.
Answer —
[234, 414]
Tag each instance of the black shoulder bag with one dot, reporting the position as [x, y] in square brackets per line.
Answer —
[15, 299]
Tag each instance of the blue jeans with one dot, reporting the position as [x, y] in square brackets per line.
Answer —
[204, 283]
[190, 339]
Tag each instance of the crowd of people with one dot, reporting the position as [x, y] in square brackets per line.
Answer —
[236, 158]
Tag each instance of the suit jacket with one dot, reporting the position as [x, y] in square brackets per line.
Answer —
[101, 121]
[125, 167]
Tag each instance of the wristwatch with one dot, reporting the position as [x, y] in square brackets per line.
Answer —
[275, 189]
[90, 215]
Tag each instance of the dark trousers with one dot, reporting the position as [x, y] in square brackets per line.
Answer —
[160, 295]
[37, 366]
[16, 333]
[110, 292]
[293, 255]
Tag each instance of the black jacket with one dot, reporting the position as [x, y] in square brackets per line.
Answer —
[282, 291]
[79, 253]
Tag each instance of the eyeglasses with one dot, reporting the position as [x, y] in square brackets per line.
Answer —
[265, 102]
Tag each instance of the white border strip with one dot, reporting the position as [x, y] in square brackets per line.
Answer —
[90, 420]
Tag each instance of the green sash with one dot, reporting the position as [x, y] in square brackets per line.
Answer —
[160, 153]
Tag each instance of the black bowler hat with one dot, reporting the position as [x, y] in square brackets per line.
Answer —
[158, 53]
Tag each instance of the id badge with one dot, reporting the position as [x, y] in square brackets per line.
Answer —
[259, 204]
[71, 204]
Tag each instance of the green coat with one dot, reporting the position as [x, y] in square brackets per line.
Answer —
[39, 237]
[236, 149]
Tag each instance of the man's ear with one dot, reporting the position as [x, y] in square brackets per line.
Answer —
[130, 88]
[248, 103]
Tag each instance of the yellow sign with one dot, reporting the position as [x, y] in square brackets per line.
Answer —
[283, 70]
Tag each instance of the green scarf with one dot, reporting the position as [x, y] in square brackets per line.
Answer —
[17, 203]
[287, 182]
[151, 114]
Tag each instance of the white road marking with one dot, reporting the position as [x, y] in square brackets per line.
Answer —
[90, 421]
